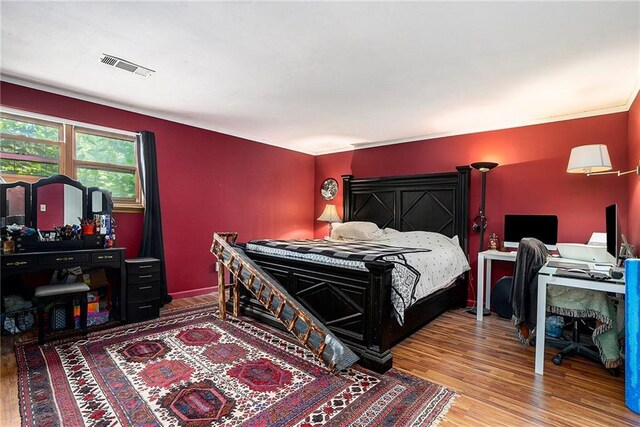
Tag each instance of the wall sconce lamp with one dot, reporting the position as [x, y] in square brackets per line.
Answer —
[593, 159]
[330, 214]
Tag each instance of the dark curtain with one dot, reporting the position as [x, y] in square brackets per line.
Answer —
[151, 245]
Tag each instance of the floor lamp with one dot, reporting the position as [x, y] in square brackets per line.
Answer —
[480, 221]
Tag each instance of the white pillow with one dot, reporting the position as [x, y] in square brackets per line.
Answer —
[390, 230]
[357, 230]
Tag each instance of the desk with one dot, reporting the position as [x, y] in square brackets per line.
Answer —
[547, 276]
[484, 281]
[13, 265]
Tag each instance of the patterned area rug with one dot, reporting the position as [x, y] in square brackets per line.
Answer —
[191, 369]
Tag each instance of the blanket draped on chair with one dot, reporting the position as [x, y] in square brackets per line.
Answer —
[532, 255]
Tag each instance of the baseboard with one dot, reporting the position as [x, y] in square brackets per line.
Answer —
[193, 292]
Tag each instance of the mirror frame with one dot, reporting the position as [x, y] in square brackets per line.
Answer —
[106, 201]
[55, 179]
[3, 201]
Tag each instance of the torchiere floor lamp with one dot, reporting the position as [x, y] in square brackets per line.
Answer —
[480, 221]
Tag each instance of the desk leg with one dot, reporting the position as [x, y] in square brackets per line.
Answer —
[540, 323]
[487, 286]
[480, 287]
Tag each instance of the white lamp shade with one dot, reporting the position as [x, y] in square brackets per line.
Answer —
[589, 158]
[330, 214]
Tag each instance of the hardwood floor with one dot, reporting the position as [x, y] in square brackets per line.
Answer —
[483, 362]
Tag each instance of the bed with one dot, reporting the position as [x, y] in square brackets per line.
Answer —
[356, 304]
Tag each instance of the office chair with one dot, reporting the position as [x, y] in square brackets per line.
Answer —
[573, 345]
[581, 319]
[531, 257]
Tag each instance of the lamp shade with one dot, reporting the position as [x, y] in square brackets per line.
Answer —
[589, 158]
[484, 166]
[330, 214]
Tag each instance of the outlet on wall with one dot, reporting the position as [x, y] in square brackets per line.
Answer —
[43, 208]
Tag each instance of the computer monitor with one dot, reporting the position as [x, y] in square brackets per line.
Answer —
[542, 227]
[614, 234]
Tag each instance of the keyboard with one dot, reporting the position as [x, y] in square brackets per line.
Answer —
[582, 274]
[567, 265]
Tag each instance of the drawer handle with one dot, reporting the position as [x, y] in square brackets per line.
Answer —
[17, 263]
[65, 258]
[145, 306]
[145, 266]
[146, 276]
[105, 257]
[145, 287]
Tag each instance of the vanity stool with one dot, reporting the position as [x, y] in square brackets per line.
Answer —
[61, 293]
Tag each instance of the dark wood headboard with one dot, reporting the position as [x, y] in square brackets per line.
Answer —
[436, 202]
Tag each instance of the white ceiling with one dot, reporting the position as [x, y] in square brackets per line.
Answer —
[320, 77]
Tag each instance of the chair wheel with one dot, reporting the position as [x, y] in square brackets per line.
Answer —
[557, 359]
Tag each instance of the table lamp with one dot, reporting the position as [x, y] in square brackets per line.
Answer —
[330, 215]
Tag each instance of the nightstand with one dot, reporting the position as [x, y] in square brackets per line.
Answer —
[143, 289]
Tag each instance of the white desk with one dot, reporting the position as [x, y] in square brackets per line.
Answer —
[546, 277]
[484, 276]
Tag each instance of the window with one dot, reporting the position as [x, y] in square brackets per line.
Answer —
[29, 148]
[33, 148]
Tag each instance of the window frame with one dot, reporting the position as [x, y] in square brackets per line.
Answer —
[68, 164]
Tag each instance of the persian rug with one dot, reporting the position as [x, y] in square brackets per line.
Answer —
[189, 368]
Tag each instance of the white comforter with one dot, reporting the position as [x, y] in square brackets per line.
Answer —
[437, 268]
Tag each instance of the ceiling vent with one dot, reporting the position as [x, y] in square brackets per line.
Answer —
[123, 64]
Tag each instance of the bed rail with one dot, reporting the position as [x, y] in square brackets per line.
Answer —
[305, 327]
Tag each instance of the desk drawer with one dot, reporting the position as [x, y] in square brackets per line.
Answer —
[137, 312]
[143, 292]
[143, 277]
[106, 256]
[24, 261]
[67, 260]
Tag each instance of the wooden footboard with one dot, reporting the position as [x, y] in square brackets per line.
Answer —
[355, 305]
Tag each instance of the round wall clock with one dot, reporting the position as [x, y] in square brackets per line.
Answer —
[329, 189]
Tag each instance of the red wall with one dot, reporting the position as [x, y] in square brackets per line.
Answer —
[531, 178]
[208, 182]
[633, 229]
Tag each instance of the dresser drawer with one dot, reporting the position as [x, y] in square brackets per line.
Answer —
[143, 277]
[137, 312]
[23, 261]
[141, 266]
[67, 260]
[143, 292]
[105, 256]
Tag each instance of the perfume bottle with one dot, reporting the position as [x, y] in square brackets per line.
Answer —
[8, 246]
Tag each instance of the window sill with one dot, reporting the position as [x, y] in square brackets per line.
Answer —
[128, 209]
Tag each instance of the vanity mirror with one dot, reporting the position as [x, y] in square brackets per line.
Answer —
[56, 201]
[100, 202]
[15, 202]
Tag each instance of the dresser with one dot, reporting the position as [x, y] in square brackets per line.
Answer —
[143, 289]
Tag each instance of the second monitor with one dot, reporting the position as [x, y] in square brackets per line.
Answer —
[542, 227]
